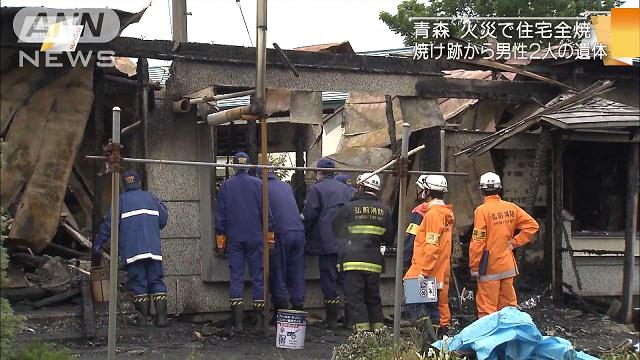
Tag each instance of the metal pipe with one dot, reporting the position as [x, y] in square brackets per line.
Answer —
[115, 222]
[179, 17]
[205, 99]
[222, 117]
[286, 58]
[258, 105]
[131, 127]
[397, 301]
[181, 106]
[392, 162]
[270, 167]
[146, 84]
[265, 220]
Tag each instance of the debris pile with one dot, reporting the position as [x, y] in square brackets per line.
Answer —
[54, 275]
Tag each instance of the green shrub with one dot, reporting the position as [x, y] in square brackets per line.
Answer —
[9, 323]
[378, 345]
[42, 351]
[621, 354]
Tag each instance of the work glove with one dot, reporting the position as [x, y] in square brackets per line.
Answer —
[271, 239]
[475, 274]
[221, 245]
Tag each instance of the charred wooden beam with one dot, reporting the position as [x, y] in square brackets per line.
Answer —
[436, 87]
[631, 224]
[28, 293]
[57, 298]
[64, 251]
[87, 309]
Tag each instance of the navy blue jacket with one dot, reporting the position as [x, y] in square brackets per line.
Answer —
[283, 206]
[239, 209]
[324, 200]
[142, 215]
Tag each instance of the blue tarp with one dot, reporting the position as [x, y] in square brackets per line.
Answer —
[510, 334]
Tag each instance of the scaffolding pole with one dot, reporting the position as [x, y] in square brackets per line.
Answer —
[397, 300]
[270, 167]
[114, 169]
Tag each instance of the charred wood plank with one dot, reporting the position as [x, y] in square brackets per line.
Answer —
[64, 251]
[31, 261]
[84, 242]
[57, 298]
[391, 122]
[18, 294]
[88, 315]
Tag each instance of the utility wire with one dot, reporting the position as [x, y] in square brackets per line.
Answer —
[170, 17]
[245, 22]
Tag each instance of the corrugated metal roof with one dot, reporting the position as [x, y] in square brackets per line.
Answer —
[594, 114]
[159, 74]
[583, 110]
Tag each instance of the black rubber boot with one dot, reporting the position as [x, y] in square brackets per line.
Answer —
[141, 304]
[160, 302]
[333, 311]
[258, 309]
[238, 316]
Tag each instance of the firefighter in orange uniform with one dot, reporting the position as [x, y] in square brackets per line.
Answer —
[491, 259]
[432, 249]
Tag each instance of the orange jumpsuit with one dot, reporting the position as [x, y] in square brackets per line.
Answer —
[432, 252]
[494, 226]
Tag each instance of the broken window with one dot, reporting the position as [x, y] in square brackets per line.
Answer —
[595, 185]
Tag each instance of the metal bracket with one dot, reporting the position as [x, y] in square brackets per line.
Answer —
[113, 159]
[402, 167]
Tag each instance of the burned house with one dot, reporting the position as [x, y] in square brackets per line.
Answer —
[472, 117]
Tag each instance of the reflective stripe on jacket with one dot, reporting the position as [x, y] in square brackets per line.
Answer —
[432, 246]
[412, 230]
[364, 224]
[142, 215]
[495, 223]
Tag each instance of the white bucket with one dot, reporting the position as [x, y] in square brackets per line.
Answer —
[290, 332]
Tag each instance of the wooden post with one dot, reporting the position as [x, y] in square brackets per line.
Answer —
[556, 216]
[391, 123]
[631, 224]
[98, 141]
[539, 162]
[300, 187]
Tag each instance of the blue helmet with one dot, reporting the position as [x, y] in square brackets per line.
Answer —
[241, 158]
[131, 179]
[344, 178]
[326, 163]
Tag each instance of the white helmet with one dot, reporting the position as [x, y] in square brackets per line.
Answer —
[372, 182]
[434, 182]
[420, 182]
[490, 180]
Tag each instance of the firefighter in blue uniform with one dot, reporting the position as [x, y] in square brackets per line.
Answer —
[345, 179]
[365, 224]
[142, 215]
[286, 272]
[323, 202]
[239, 233]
